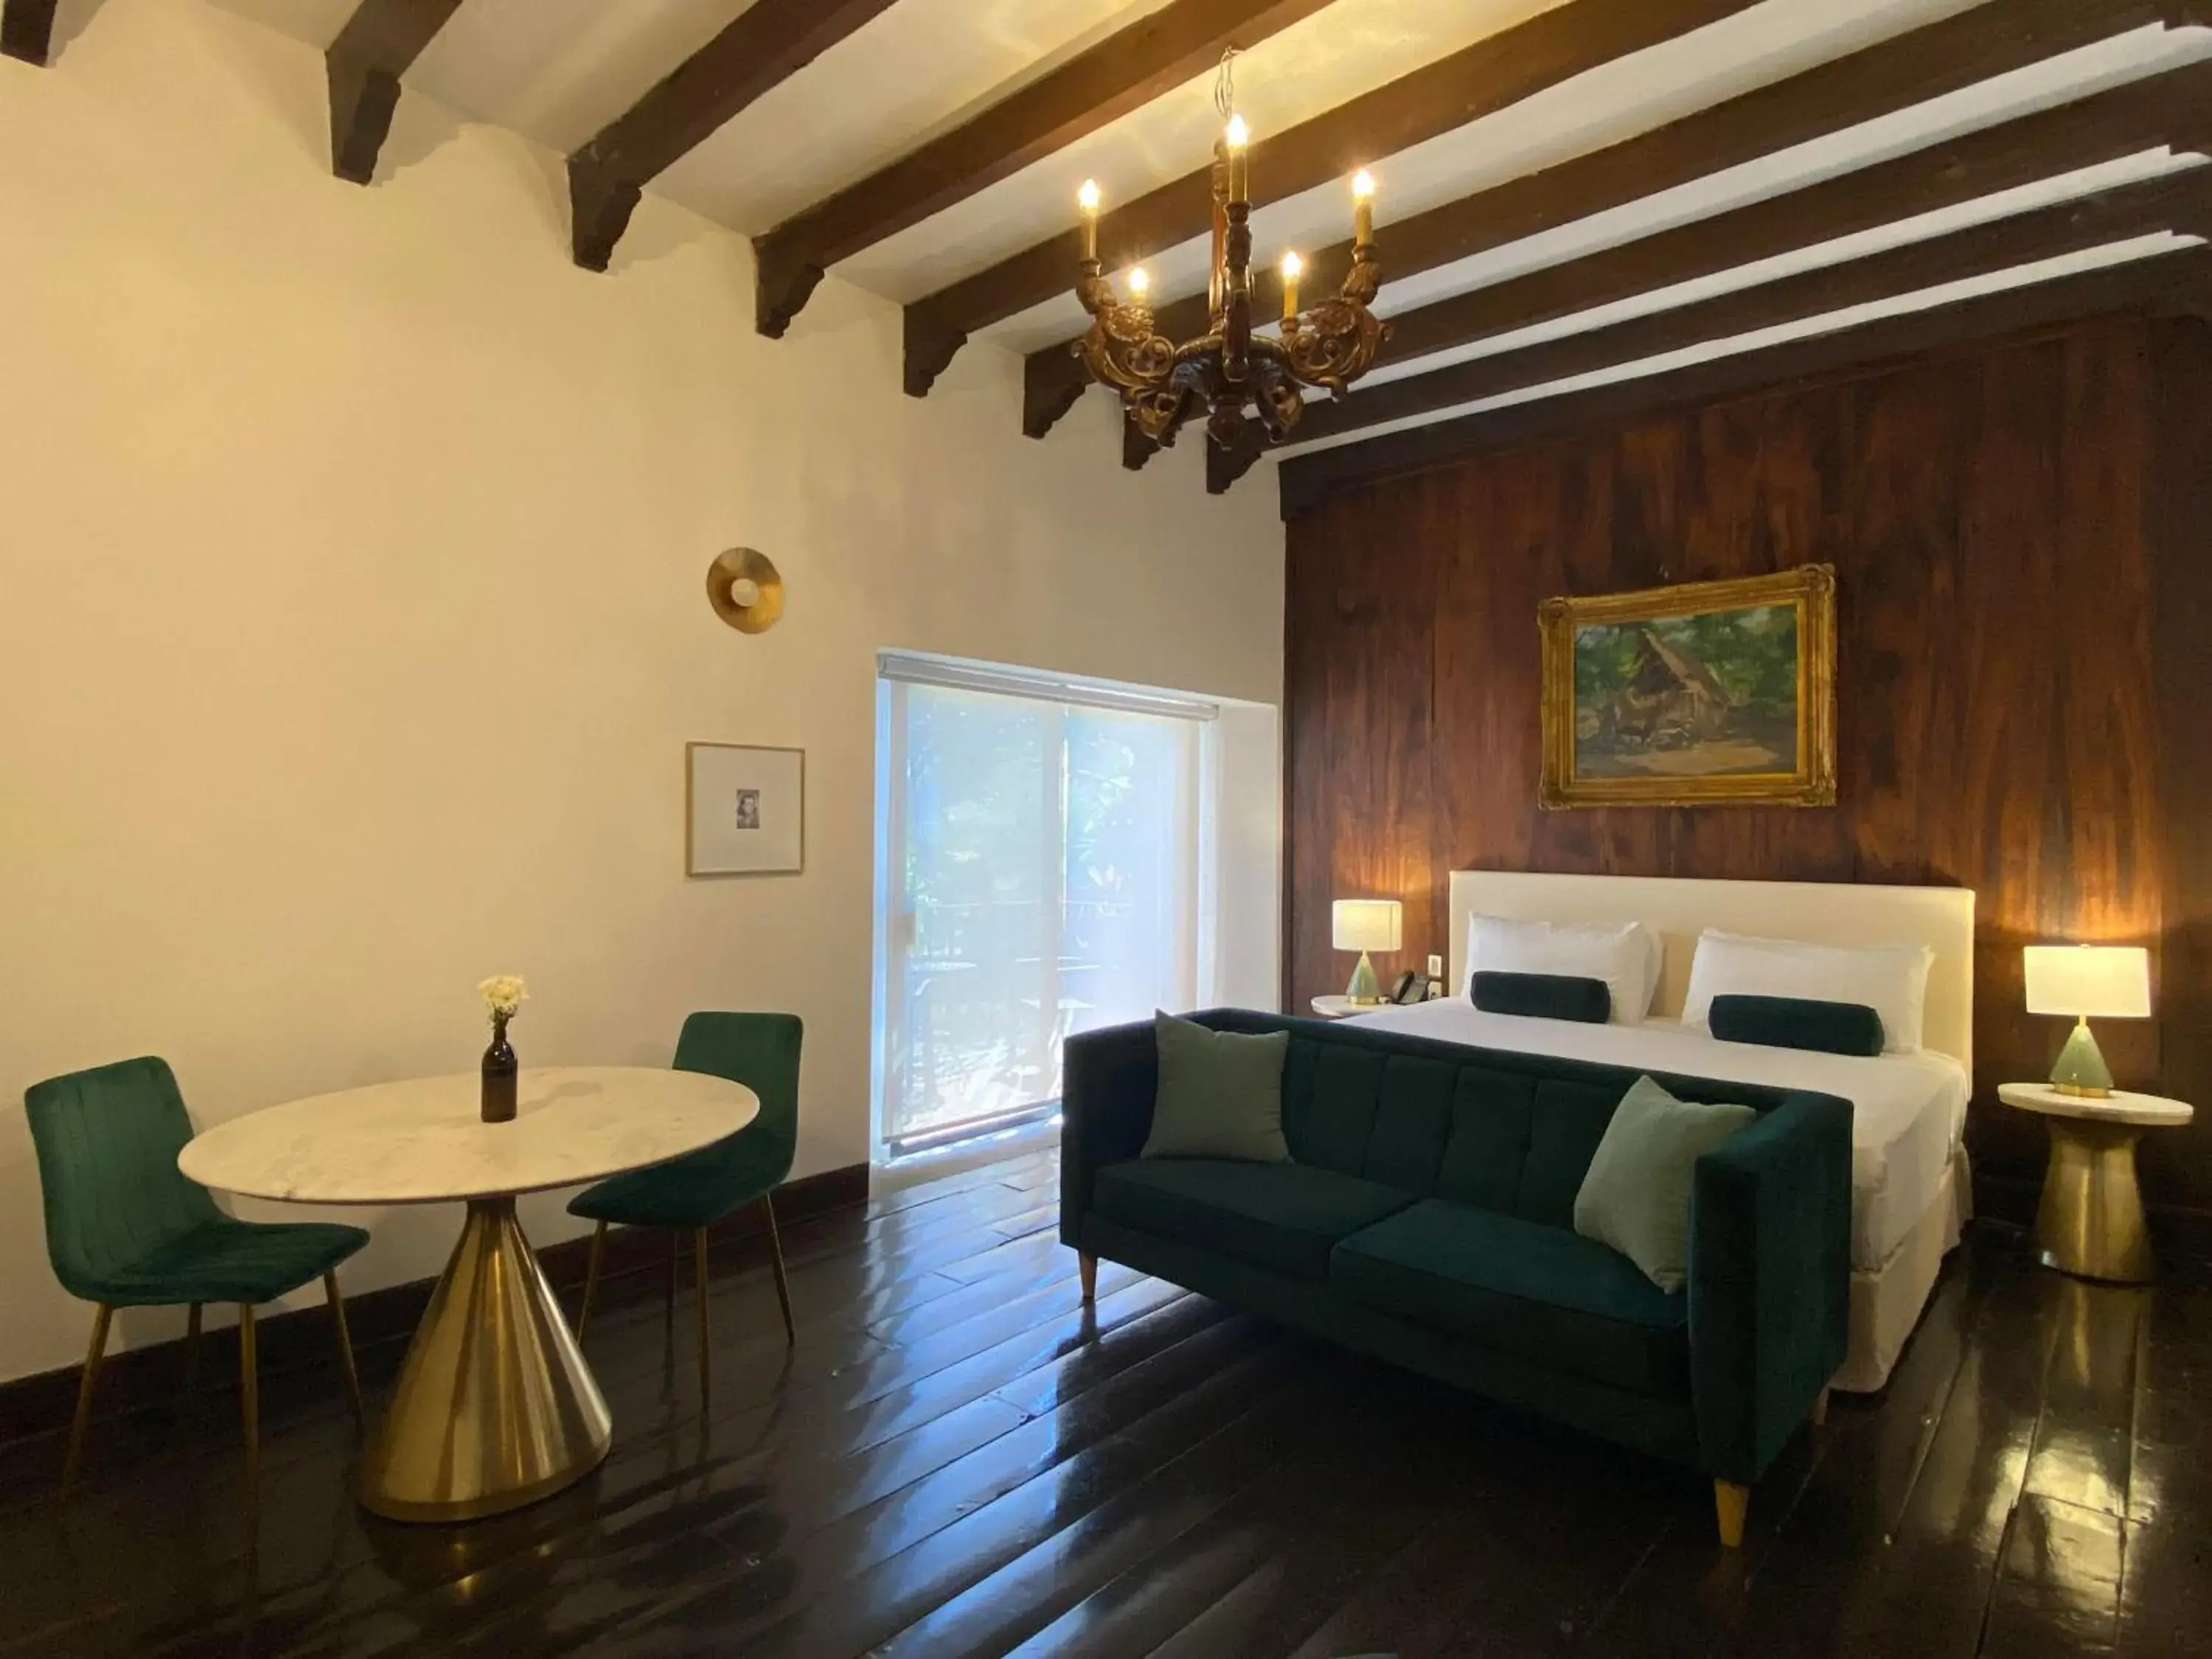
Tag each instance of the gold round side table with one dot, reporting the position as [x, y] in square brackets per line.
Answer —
[2090, 1223]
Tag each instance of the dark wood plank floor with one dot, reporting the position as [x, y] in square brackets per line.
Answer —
[956, 1459]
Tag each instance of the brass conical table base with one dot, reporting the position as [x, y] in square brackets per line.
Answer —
[2090, 1222]
[495, 1408]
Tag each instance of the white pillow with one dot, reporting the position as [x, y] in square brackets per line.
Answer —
[1890, 979]
[1625, 957]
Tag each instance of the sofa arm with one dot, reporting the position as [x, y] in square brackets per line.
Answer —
[1770, 1279]
[1108, 1079]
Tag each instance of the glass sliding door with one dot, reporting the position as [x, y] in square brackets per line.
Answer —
[1040, 877]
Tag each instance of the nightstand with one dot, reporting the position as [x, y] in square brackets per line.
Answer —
[1338, 1007]
[2090, 1222]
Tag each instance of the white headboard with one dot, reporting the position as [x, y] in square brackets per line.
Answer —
[1678, 911]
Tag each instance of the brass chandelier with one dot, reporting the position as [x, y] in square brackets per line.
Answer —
[1230, 369]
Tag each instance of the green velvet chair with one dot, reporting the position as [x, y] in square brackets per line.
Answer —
[691, 1193]
[125, 1228]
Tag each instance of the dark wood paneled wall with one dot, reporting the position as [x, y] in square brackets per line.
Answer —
[2023, 542]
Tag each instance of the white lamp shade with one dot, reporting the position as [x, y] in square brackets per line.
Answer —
[1365, 924]
[2109, 981]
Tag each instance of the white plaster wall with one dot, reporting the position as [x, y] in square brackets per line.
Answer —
[354, 545]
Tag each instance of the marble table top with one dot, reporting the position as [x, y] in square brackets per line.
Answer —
[2145, 1111]
[424, 1141]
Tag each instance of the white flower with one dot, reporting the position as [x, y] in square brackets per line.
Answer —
[503, 993]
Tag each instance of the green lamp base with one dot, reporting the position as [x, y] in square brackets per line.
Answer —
[1365, 989]
[2081, 1069]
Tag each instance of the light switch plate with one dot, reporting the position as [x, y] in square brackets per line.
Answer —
[1436, 967]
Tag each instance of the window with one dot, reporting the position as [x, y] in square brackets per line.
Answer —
[1044, 854]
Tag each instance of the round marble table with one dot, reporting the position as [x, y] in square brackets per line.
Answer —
[495, 1407]
[2090, 1221]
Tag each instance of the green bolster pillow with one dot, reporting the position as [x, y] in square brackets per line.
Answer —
[1544, 996]
[1828, 1028]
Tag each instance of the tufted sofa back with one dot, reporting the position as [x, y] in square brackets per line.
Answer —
[1501, 1131]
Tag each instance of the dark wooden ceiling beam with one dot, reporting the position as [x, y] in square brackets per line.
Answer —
[766, 44]
[2175, 109]
[1493, 73]
[1943, 56]
[1123, 72]
[2170, 283]
[2172, 109]
[2180, 202]
[363, 66]
[27, 30]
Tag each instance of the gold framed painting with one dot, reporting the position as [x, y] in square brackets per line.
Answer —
[1706, 694]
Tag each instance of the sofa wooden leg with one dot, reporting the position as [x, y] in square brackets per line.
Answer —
[1729, 1502]
[1820, 1408]
[1086, 1266]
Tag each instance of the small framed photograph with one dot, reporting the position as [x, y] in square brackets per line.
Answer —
[744, 809]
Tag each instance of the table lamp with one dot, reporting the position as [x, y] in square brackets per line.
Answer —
[2111, 982]
[1364, 925]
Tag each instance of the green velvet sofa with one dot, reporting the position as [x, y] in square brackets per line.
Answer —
[1426, 1217]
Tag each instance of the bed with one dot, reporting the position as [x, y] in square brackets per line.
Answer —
[1910, 1187]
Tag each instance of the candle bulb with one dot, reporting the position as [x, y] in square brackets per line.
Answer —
[1291, 266]
[1363, 209]
[1087, 199]
[1238, 137]
[1139, 282]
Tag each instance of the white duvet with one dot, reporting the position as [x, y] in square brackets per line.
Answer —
[1908, 1110]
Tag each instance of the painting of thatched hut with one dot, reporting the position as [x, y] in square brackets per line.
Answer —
[1669, 697]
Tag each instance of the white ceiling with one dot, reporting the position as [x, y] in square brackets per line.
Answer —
[558, 71]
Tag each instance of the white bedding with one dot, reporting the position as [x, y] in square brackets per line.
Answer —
[1908, 1110]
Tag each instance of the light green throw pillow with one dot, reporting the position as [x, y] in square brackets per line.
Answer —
[1635, 1196]
[1220, 1094]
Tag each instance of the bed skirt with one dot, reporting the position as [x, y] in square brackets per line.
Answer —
[1886, 1301]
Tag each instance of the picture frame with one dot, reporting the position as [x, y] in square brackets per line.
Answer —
[744, 809]
[1715, 693]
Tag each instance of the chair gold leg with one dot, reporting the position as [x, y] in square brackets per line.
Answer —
[193, 1349]
[699, 1295]
[1086, 1267]
[345, 1346]
[1820, 1408]
[591, 1278]
[249, 1398]
[103, 1312]
[668, 1296]
[1729, 1502]
[776, 1256]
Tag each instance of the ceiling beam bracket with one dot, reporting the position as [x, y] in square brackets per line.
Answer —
[1051, 381]
[600, 202]
[363, 100]
[930, 347]
[1136, 447]
[784, 280]
[380, 41]
[27, 30]
[1225, 465]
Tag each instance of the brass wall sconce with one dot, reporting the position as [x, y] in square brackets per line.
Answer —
[746, 589]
